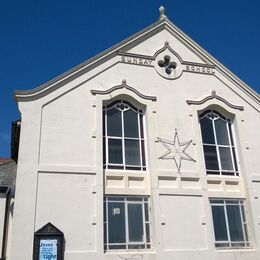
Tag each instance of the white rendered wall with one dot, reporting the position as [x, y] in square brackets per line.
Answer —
[60, 172]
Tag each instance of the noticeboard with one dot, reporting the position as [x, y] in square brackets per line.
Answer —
[48, 243]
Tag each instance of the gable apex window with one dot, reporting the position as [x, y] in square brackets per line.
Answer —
[123, 136]
[218, 144]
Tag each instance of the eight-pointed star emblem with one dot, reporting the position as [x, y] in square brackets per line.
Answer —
[175, 150]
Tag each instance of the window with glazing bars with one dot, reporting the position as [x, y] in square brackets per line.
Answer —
[123, 136]
[218, 144]
[126, 223]
[229, 221]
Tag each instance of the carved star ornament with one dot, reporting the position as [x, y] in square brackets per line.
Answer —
[176, 150]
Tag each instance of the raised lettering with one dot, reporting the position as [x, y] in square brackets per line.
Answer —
[139, 61]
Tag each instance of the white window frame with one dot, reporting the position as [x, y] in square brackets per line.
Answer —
[231, 146]
[128, 246]
[141, 138]
[229, 243]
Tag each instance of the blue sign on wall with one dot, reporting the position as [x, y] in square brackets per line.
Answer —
[48, 249]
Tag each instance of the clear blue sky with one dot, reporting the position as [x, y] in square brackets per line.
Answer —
[40, 39]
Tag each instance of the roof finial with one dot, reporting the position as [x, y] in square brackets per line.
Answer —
[162, 12]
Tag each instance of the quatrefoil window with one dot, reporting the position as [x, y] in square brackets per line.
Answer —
[122, 107]
[167, 64]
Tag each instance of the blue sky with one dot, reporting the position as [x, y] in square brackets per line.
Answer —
[40, 39]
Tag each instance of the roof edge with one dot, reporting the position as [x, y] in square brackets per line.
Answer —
[22, 95]
[19, 94]
[215, 62]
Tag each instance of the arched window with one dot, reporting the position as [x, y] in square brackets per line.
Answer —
[218, 144]
[123, 136]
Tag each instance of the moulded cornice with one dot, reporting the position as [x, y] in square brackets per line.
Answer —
[163, 23]
[214, 96]
[122, 86]
[203, 54]
[42, 90]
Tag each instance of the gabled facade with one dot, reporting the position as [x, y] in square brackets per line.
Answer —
[149, 150]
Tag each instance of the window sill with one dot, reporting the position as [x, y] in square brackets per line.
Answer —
[130, 252]
[223, 176]
[234, 249]
[119, 171]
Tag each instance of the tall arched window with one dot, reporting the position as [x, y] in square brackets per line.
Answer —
[123, 136]
[218, 144]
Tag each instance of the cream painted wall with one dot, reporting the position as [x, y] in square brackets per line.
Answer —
[61, 178]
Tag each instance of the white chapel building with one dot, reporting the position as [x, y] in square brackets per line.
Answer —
[148, 151]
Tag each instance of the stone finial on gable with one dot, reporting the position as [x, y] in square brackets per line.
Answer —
[162, 12]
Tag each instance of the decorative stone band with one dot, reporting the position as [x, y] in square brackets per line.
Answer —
[214, 96]
[149, 61]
